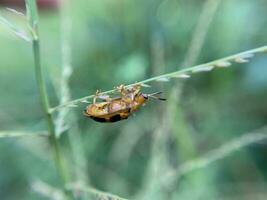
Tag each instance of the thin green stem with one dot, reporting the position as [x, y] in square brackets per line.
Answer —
[9, 134]
[14, 29]
[186, 148]
[66, 116]
[178, 123]
[198, 68]
[58, 155]
[200, 33]
[221, 152]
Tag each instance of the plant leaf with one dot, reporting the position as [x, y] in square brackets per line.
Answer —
[17, 31]
[16, 12]
[32, 12]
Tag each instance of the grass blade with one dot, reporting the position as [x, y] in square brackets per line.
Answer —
[32, 14]
[18, 13]
[11, 134]
[17, 31]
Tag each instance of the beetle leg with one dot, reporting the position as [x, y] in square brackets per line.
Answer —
[108, 99]
[96, 96]
[137, 89]
[94, 100]
[121, 89]
[105, 98]
[132, 95]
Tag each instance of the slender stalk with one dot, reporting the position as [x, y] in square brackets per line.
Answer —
[45, 104]
[66, 116]
[58, 156]
[178, 124]
[186, 149]
[219, 153]
[9, 134]
[14, 29]
[204, 21]
[178, 74]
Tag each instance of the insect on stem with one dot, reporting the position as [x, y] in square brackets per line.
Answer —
[119, 108]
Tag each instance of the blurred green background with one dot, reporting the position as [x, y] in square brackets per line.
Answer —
[124, 41]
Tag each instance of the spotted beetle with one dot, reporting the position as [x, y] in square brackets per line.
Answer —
[119, 108]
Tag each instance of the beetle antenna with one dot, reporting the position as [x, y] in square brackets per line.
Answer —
[158, 98]
[155, 97]
[155, 93]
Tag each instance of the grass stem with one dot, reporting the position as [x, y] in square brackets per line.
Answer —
[183, 73]
[58, 156]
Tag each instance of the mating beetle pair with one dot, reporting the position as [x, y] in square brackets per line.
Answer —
[118, 108]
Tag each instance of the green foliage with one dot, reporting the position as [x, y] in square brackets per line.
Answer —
[179, 149]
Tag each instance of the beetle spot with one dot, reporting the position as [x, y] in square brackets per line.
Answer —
[98, 119]
[115, 118]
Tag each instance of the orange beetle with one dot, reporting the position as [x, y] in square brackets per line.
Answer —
[120, 108]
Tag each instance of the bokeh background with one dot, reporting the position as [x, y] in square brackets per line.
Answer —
[124, 41]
